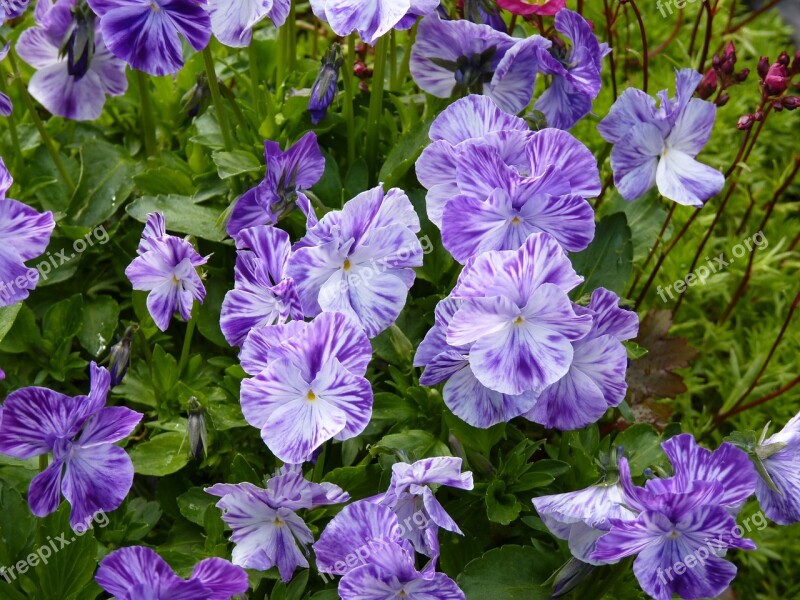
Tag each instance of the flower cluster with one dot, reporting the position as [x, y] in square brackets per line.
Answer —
[371, 543]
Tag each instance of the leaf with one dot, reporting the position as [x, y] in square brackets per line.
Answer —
[501, 506]
[642, 445]
[237, 162]
[17, 526]
[416, 444]
[182, 215]
[645, 217]
[360, 481]
[164, 454]
[404, 154]
[63, 320]
[100, 319]
[482, 440]
[608, 261]
[329, 187]
[508, 573]
[194, 504]
[393, 346]
[7, 316]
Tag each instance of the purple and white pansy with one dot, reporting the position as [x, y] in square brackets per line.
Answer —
[783, 505]
[232, 21]
[658, 146]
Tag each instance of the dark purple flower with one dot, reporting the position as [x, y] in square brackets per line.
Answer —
[782, 506]
[325, 86]
[25, 234]
[575, 72]
[459, 57]
[93, 474]
[263, 294]
[147, 33]
[266, 527]
[167, 268]
[138, 573]
[289, 173]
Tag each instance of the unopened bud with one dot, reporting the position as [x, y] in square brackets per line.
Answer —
[119, 357]
[763, 67]
[745, 122]
[790, 102]
[784, 59]
[196, 430]
[722, 100]
[742, 75]
[777, 80]
[708, 85]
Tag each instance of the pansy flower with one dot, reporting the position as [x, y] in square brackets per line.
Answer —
[262, 293]
[783, 505]
[87, 468]
[289, 173]
[459, 57]
[517, 316]
[147, 34]
[364, 544]
[359, 260]
[575, 72]
[690, 514]
[266, 527]
[167, 268]
[595, 381]
[232, 21]
[311, 387]
[11, 9]
[25, 234]
[658, 146]
[371, 18]
[411, 499]
[74, 69]
[137, 572]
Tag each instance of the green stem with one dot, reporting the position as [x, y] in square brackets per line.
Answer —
[48, 142]
[405, 64]
[348, 108]
[148, 355]
[187, 343]
[255, 82]
[216, 98]
[292, 38]
[12, 122]
[148, 123]
[392, 61]
[376, 105]
[319, 468]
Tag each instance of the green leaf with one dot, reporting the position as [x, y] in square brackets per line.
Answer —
[393, 346]
[164, 454]
[416, 444]
[7, 316]
[642, 446]
[194, 504]
[23, 334]
[360, 481]
[482, 440]
[63, 320]
[17, 526]
[182, 215]
[608, 261]
[165, 370]
[501, 506]
[329, 187]
[404, 154]
[100, 319]
[237, 162]
[509, 573]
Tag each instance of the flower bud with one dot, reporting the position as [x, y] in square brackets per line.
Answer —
[361, 70]
[119, 357]
[722, 100]
[324, 89]
[742, 75]
[196, 430]
[745, 122]
[783, 59]
[796, 63]
[763, 67]
[708, 85]
[777, 80]
[790, 102]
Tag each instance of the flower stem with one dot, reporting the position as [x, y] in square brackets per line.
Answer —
[645, 53]
[348, 108]
[376, 105]
[148, 123]
[392, 61]
[216, 98]
[48, 142]
[187, 342]
[255, 82]
[12, 121]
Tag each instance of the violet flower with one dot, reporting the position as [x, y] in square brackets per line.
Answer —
[289, 174]
[167, 268]
[6, 106]
[459, 57]
[411, 499]
[11, 9]
[595, 381]
[92, 473]
[137, 572]
[782, 506]
[363, 543]
[232, 21]
[359, 260]
[658, 146]
[517, 316]
[371, 18]
[262, 293]
[266, 527]
[25, 234]
[575, 72]
[147, 34]
[310, 387]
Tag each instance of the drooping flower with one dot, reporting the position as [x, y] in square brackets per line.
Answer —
[147, 34]
[544, 8]
[687, 519]
[595, 381]
[6, 106]
[74, 68]
[575, 72]
[310, 387]
[92, 473]
[517, 316]
[137, 572]
[464, 395]
[364, 544]
[783, 506]
[658, 146]
[289, 173]
[371, 18]
[167, 268]
[583, 516]
[359, 260]
[119, 356]
[326, 84]
[232, 21]
[459, 57]
[447, 167]
[266, 527]
[262, 293]
[25, 234]
[411, 499]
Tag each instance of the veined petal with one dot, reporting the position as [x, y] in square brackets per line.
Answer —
[473, 117]
[686, 181]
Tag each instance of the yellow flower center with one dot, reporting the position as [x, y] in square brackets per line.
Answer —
[311, 396]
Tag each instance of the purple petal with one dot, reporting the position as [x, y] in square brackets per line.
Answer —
[571, 160]
[44, 494]
[371, 20]
[109, 425]
[220, 578]
[633, 107]
[686, 181]
[477, 405]
[635, 160]
[473, 117]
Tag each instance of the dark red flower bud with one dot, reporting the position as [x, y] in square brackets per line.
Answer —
[730, 51]
[708, 85]
[723, 99]
[361, 70]
[745, 122]
[777, 80]
[759, 115]
[796, 63]
[777, 106]
[790, 102]
[363, 86]
[763, 67]
[361, 48]
[742, 75]
[784, 59]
